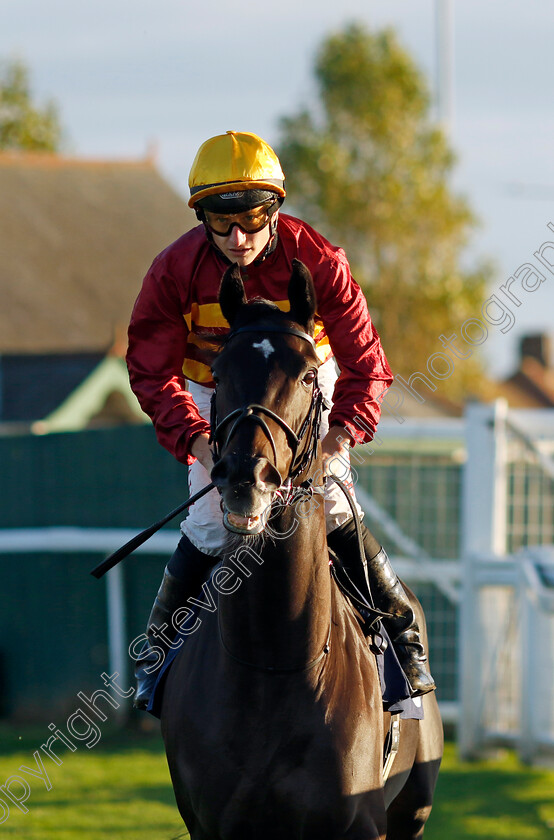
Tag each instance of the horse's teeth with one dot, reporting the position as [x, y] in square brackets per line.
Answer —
[242, 521]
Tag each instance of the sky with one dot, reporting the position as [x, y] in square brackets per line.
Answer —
[130, 76]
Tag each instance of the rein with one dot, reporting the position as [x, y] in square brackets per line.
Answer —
[288, 492]
[309, 429]
[311, 423]
[348, 587]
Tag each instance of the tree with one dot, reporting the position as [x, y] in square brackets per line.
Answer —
[23, 125]
[367, 167]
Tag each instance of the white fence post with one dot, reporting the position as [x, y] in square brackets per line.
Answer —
[117, 632]
[484, 486]
[537, 653]
[527, 746]
[483, 533]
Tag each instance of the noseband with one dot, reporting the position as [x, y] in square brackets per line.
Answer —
[254, 412]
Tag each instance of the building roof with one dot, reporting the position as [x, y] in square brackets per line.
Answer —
[76, 238]
[33, 385]
[103, 398]
[532, 384]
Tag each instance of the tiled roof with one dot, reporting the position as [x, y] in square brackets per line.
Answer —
[532, 384]
[76, 238]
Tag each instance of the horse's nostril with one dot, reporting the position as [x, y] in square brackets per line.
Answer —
[231, 471]
[267, 475]
[219, 474]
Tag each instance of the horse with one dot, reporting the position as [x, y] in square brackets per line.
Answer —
[272, 713]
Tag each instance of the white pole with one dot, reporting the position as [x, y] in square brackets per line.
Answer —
[485, 480]
[117, 644]
[528, 607]
[537, 653]
[483, 535]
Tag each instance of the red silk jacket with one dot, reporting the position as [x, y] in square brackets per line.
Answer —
[177, 310]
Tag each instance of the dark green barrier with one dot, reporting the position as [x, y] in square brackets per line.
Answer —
[53, 638]
[103, 478]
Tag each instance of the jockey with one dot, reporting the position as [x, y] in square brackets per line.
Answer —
[237, 188]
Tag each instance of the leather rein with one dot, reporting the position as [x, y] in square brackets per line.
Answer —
[301, 462]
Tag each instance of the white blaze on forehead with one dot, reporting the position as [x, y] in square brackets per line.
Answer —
[265, 346]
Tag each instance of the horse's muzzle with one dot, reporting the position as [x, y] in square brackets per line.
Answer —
[247, 485]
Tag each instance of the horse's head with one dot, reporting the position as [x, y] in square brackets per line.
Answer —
[266, 404]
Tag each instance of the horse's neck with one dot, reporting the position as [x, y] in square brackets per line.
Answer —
[280, 614]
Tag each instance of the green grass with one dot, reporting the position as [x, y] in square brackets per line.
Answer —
[120, 790]
[491, 800]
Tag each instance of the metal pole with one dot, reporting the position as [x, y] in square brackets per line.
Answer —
[485, 489]
[528, 608]
[483, 535]
[117, 637]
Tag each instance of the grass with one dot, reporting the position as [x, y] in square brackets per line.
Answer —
[491, 800]
[120, 789]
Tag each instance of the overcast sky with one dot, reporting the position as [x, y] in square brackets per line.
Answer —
[130, 73]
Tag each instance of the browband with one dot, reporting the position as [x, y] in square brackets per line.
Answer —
[274, 329]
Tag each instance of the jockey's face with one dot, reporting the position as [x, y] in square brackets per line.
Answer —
[243, 248]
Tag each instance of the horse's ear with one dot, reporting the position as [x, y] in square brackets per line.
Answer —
[231, 293]
[302, 296]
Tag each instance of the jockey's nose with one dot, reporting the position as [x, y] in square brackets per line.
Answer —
[236, 236]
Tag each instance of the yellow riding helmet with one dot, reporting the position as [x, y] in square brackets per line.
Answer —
[234, 162]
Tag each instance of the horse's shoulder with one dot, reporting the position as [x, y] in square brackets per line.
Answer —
[352, 652]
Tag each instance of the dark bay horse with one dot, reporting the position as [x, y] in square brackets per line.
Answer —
[272, 713]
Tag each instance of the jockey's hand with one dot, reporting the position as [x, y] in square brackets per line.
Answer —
[334, 450]
[201, 449]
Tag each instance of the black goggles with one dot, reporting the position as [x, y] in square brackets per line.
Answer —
[249, 221]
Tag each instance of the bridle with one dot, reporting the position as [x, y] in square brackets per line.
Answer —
[288, 491]
[308, 431]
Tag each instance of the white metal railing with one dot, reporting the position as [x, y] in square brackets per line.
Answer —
[418, 565]
[507, 610]
[509, 647]
[94, 541]
[503, 602]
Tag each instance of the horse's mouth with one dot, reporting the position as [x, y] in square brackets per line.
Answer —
[238, 524]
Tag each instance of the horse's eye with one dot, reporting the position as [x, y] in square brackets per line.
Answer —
[215, 377]
[309, 377]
